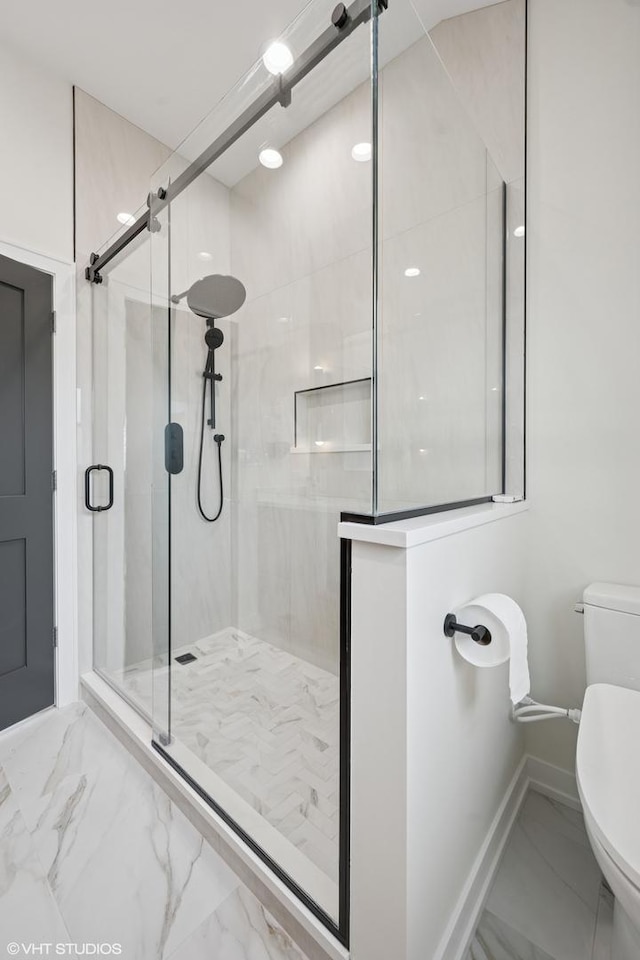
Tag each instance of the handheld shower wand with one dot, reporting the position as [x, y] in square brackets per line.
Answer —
[212, 297]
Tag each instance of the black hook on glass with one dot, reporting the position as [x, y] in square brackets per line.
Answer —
[478, 634]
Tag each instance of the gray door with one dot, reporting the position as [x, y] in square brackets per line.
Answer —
[26, 506]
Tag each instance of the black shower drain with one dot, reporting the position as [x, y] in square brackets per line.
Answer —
[186, 658]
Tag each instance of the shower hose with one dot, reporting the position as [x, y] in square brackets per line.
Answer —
[218, 438]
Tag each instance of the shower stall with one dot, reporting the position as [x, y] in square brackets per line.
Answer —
[313, 316]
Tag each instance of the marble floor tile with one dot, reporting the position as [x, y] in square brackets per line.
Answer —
[240, 929]
[556, 817]
[52, 755]
[28, 911]
[103, 855]
[108, 837]
[110, 845]
[267, 722]
[495, 940]
[548, 884]
[91, 850]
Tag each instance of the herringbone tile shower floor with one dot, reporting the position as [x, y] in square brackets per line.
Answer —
[267, 722]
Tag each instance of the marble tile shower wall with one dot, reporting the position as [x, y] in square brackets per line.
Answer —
[300, 241]
[201, 585]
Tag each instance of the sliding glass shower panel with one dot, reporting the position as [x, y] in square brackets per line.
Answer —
[263, 263]
[123, 362]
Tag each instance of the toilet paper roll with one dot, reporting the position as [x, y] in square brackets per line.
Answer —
[505, 620]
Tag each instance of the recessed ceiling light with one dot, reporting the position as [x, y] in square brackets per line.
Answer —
[277, 57]
[204, 255]
[318, 368]
[127, 219]
[422, 450]
[422, 398]
[271, 159]
[319, 443]
[412, 272]
[284, 319]
[519, 232]
[361, 152]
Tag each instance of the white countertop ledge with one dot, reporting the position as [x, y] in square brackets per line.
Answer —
[434, 526]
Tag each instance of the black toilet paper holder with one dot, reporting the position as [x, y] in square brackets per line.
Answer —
[479, 634]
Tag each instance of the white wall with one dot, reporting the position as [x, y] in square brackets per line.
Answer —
[36, 227]
[434, 748]
[36, 160]
[583, 331]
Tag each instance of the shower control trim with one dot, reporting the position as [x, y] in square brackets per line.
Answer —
[173, 448]
[479, 634]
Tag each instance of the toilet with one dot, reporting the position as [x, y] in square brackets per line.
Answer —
[608, 757]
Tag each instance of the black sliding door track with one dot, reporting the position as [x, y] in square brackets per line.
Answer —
[348, 20]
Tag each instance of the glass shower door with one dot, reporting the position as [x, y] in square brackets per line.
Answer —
[122, 476]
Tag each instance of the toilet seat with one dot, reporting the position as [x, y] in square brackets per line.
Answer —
[608, 773]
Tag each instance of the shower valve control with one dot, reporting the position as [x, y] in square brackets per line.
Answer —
[173, 448]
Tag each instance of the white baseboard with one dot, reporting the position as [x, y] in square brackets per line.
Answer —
[553, 781]
[462, 924]
[532, 773]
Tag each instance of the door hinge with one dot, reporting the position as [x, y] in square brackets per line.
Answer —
[53, 321]
[54, 480]
[55, 638]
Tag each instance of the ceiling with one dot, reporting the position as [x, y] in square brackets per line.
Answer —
[160, 64]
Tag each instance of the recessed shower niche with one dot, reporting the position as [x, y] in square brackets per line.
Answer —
[374, 369]
[334, 418]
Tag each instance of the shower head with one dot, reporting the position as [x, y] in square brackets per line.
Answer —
[216, 296]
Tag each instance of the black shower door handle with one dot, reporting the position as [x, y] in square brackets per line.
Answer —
[87, 487]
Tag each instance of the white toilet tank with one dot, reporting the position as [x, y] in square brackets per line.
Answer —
[612, 634]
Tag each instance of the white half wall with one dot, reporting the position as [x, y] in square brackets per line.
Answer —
[36, 160]
[433, 747]
[583, 332]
